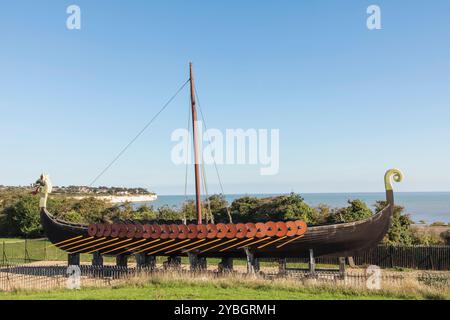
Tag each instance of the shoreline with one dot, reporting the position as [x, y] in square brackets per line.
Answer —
[121, 199]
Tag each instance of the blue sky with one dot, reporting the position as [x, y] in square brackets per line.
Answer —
[349, 102]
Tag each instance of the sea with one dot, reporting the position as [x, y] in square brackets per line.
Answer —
[421, 206]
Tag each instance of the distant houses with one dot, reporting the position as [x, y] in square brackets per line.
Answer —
[100, 191]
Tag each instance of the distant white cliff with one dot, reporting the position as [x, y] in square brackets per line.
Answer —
[123, 199]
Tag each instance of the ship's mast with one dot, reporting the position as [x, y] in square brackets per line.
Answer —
[196, 149]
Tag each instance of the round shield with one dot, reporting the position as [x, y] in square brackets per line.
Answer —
[241, 230]
[261, 229]
[291, 228]
[115, 229]
[231, 233]
[174, 231]
[212, 230]
[165, 231]
[183, 231]
[192, 231]
[251, 229]
[107, 231]
[221, 230]
[301, 227]
[202, 231]
[271, 229]
[139, 231]
[100, 230]
[148, 230]
[131, 230]
[281, 229]
[123, 230]
[92, 230]
[156, 231]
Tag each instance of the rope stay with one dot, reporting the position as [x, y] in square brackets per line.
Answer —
[147, 125]
[138, 134]
[205, 190]
[214, 159]
[187, 163]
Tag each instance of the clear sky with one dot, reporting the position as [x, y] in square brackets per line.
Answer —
[349, 102]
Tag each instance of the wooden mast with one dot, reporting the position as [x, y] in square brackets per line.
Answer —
[196, 150]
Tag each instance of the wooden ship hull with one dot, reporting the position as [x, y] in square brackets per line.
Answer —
[345, 239]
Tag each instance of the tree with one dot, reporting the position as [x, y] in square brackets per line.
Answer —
[168, 213]
[323, 211]
[145, 212]
[244, 209]
[219, 207]
[400, 231]
[23, 217]
[446, 236]
[288, 207]
[355, 211]
[438, 224]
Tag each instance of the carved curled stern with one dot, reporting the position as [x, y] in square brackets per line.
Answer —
[396, 176]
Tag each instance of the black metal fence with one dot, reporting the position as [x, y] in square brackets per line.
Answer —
[61, 277]
[411, 257]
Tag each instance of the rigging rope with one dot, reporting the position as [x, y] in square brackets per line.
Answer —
[187, 162]
[208, 202]
[214, 159]
[139, 134]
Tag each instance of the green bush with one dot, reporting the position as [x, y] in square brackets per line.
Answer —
[446, 237]
[168, 213]
[356, 210]
[438, 224]
[400, 231]
[286, 207]
[23, 217]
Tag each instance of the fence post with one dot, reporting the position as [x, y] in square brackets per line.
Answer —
[27, 256]
[312, 262]
[431, 260]
[390, 256]
[342, 267]
[252, 262]
[282, 266]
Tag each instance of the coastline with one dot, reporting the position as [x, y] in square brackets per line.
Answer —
[122, 199]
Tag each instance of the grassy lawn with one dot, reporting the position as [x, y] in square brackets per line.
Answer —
[207, 290]
[10, 240]
[37, 250]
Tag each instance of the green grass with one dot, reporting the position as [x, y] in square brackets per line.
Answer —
[207, 290]
[11, 240]
[37, 250]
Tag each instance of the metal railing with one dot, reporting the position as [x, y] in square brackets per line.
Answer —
[58, 277]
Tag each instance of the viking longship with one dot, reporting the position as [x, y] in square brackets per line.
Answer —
[275, 239]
